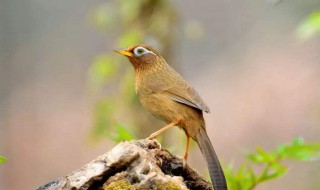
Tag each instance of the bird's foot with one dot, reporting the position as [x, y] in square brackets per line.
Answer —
[152, 138]
[185, 160]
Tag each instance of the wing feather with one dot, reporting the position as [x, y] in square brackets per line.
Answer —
[179, 91]
[186, 96]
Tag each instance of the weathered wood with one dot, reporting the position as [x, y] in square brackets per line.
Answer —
[140, 164]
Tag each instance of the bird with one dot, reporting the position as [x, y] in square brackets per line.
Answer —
[169, 97]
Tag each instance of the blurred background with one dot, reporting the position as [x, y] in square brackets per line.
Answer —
[66, 98]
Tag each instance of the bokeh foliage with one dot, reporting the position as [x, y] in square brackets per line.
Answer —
[2, 159]
[262, 165]
[134, 22]
[310, 27]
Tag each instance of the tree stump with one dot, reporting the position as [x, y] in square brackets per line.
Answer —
[133, 165]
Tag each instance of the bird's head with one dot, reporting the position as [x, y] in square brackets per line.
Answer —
[142, 56]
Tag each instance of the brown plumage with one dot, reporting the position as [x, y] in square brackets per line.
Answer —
[164, 93]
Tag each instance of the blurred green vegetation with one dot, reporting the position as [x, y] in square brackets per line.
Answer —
[3, 159]
[134, 22]
[310, 27]
[262, 165]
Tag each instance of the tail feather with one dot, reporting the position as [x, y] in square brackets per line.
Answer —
[216, 173]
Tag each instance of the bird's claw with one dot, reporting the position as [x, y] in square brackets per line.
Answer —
[184, 163]
[150, 138]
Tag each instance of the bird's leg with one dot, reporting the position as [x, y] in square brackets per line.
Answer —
[155, 134]
[185, 158]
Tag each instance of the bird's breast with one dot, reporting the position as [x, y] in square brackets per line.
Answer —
[161, 107]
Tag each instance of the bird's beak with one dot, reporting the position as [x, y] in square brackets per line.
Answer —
[124, 52]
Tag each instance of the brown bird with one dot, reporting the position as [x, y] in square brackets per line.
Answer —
[164, 93]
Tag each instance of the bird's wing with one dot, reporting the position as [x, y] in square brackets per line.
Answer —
[180, 92]
[186, 96]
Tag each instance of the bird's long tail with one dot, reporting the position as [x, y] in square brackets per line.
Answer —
[216, 173]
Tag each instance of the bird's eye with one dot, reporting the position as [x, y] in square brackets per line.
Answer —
[140, 51]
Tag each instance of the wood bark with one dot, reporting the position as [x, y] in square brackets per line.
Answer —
[132, 165]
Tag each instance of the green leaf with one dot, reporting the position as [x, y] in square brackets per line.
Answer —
[277, 171]
[310, 27]
[122, 133]
[261, 156]
[271, 162]
[252, 176]
[297, 150]
[306, 152]
[266, 157]
[232, 182]
[298, 141]
[3, 159]
[255, 157]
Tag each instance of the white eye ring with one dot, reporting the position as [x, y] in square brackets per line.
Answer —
[139, 51]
